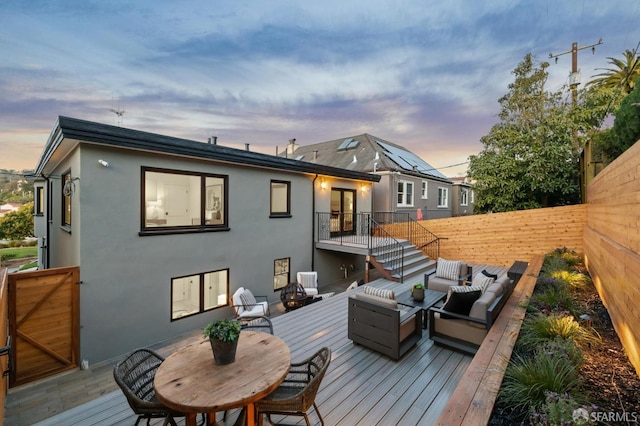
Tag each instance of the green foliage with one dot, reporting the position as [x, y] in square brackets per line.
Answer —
[540, 328]
[18, 253]
[573, 280]
[17, 225]
[528, 380]
[623, 77]
[626, 126]
[529, 159]
[557, 410]
[225, 330]
[553, 300]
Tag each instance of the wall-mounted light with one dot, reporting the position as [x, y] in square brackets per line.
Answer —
[323, 184]
[103, 163]
[364, 188]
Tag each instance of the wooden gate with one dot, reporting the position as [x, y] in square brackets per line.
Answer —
[44, 323]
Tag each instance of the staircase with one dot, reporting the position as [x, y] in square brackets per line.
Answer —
[411, 260]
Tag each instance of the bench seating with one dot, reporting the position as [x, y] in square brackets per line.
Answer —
[383, 325]
[466, 332]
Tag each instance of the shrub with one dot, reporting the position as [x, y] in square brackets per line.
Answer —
[540, 328]
[15, 243]
[553, 300]
[527, 380]
[574, 280]
[558, 409]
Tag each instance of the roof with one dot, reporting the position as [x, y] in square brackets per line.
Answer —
[366, 153]
[68, 132]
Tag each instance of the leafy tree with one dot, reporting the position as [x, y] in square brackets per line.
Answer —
[626, 126]
[529, 159]
[17, 225]
[623, 76]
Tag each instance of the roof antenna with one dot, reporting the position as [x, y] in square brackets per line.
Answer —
[117, 111]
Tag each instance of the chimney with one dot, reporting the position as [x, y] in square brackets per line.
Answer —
[213, 140]
[291, 148]
[315, 155]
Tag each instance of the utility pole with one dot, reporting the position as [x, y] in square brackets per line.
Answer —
[574, 77]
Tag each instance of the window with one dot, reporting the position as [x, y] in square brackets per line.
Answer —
[405, 194]
[443, 197]
[425, 186]
[198, 293]
[68, 188]
[39, 211]
[464, 197]
[280, 273]
[176, 200]
[473, 196]
[280, 199]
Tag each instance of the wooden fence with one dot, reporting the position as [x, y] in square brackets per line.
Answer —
[4, 332]
[503, 238]
[612, 245]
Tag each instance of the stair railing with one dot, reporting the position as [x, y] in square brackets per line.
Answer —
[387, 249]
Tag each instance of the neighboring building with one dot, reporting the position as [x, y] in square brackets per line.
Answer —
[8, 208]
[408, 184]
[463, 197]
[164, 230]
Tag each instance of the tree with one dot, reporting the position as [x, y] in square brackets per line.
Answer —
[529, 159]
[623, 76]
[17, 225]
[626, 126]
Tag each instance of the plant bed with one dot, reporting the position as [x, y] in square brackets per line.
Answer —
[597, 376]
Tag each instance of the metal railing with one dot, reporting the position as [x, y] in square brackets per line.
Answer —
[403, 226]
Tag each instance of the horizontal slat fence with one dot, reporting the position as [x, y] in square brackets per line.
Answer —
[4, 360]
[503, 238]
[612, 245]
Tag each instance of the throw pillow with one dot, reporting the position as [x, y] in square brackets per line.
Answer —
[387, 294]
[483, 282]
[248, 299]
[460, 303]
[488, 274]
[448, 269]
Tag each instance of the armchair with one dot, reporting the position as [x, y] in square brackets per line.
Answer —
[245, 304]
[447, 273]
[308, 280]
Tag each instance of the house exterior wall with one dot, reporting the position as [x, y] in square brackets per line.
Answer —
[386, 196]
[125, 297]
[458, 208]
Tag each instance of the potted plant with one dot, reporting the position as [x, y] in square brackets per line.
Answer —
[417, 292]
[223, 336]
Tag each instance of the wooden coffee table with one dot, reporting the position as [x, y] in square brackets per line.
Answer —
[190, 382]
[431, 297]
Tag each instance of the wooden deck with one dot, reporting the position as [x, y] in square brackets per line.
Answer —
[361, 386]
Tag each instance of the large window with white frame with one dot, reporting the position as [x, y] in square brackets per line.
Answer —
[464, 197]
[193, 294]
[443, 197]
[280, 199]
[425, 189]
[174, 199]
[405, 193]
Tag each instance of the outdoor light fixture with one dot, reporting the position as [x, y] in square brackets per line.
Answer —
[323, 184]
[103, 163]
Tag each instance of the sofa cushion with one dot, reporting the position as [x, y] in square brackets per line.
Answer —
[380, 292]
[440, 284]
[461, 302]
[462, 289]
[382, 301]
[448, 269]
[479, 308]
[483, 282]
[237, 302]
[248, 300]
[407, 327]
[495, 288]
[459, 329]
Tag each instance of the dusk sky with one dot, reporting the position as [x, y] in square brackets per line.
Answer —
[423, 74]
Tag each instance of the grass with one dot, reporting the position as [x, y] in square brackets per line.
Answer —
[541, 328]
[18, 253]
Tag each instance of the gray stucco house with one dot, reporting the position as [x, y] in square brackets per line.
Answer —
[164, 229]
[463, 197]
[408, 184]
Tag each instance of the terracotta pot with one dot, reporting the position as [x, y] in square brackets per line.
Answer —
[223, 352]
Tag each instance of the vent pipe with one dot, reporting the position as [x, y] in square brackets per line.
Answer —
[246, 147]
[315, 155]
[213, 140]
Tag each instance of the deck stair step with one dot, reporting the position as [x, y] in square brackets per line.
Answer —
[413, 261]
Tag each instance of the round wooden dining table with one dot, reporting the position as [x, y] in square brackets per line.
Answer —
[190, 382]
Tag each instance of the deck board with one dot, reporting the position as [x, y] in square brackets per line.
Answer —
[360, 387]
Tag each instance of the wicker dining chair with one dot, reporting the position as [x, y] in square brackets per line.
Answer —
[297, 394]
[135, 376]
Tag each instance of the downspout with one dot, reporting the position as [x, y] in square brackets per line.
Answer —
[47, 259]
[313, 223]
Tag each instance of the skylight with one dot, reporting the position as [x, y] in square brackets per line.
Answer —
[349, 143]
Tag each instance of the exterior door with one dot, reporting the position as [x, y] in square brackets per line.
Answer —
[343, 209]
